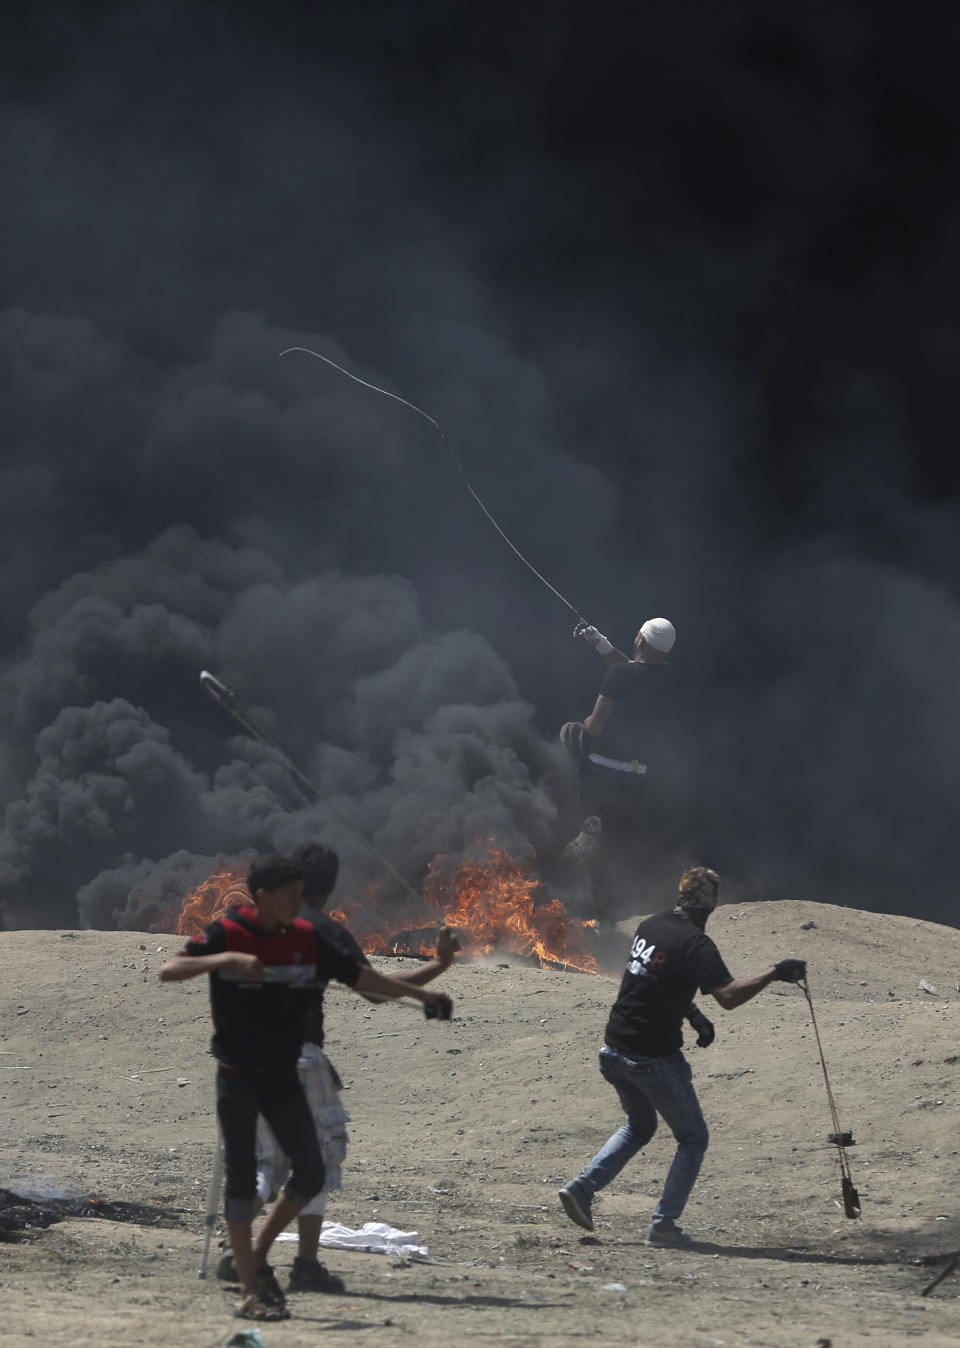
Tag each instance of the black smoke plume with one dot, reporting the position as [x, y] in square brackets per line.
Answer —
[681, 295]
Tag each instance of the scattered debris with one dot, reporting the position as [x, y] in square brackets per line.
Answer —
[807, 926]
[927, 987]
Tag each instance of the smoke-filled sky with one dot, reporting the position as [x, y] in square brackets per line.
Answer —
[679, 282]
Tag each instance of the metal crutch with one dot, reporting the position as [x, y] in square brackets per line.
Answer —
[213, 1204]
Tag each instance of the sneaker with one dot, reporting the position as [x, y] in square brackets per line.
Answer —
[227, 1268]
[667, 1236]
[576, 1205]
[309, 1275]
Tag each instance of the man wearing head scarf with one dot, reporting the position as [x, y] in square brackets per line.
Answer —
[670, 958]
[630, 759]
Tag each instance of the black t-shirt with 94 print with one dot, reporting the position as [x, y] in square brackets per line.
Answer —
[670, 959]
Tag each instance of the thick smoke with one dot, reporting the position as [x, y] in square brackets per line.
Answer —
[418, 740]
[696, 359]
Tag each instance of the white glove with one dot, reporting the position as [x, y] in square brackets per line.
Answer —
[597, 640]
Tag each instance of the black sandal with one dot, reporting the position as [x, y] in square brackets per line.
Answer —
[268, 1289]
[255, 1307]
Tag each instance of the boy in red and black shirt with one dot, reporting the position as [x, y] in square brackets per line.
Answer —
[261, 959]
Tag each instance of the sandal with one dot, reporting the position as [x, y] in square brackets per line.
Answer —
[268, 1289]
[256, 1308]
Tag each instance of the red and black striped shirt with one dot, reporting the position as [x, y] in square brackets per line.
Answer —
[259, 1025]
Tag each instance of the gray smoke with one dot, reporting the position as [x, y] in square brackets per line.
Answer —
[695, 359]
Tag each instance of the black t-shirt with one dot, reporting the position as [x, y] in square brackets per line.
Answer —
[669, 960]
[642, 724]
[335, 934]
[259, 1025]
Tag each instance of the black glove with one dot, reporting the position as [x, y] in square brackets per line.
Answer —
[441, 1010]
[704, 1028]
[573, 736]
[790, 971]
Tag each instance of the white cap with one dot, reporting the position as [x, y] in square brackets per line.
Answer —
[659, 633]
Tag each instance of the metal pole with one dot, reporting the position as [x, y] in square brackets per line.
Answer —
[840, 1139]
[228, 700]
[213, 1204]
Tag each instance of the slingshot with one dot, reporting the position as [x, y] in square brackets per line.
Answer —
[840, 1139]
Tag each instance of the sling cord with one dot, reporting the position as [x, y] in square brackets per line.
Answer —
[228, 700]
[851, 1199]
[456, 463]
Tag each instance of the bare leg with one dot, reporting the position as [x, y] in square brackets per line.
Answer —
[240, 1243]
[280, 1216]
[309, 1228]
[308, 1274]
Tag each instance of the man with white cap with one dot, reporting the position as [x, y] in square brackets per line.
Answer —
[627, 751]
[670, 958]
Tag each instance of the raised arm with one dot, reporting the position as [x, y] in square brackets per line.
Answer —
[447, 947]
[743, 990]
[605, 649]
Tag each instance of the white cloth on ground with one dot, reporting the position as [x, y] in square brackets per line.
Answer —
[372, 1238]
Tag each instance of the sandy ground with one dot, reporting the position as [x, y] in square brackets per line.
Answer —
[463, 1132]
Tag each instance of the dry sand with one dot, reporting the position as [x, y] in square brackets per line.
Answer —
[463, 1133]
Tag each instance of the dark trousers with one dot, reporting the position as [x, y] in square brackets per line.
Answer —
[278, 1096]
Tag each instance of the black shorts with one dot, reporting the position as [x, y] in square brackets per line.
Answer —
[278, 1096]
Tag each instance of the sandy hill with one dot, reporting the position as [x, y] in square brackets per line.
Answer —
[463, 1132]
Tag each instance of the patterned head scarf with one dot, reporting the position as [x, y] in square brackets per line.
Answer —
[698, 890]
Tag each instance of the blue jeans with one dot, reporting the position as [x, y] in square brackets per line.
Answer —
[648, 1087]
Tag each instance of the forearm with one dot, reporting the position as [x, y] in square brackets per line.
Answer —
[188, 966]
[386, 985]
[424, 973]
[742, 990]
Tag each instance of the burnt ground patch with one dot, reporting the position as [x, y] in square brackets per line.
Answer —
[21, 1214]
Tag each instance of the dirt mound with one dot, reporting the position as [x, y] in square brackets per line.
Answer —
[463, 1132]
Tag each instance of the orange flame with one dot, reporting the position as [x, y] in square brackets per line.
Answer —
[495, 902]
[225, 888]
[498, 904]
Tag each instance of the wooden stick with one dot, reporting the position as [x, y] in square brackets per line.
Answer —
[944, 1273]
